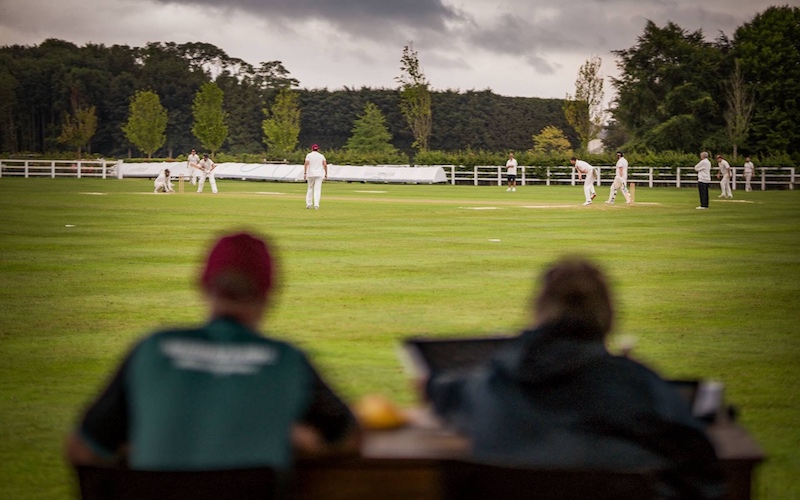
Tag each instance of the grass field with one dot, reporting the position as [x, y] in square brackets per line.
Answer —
[89, 265]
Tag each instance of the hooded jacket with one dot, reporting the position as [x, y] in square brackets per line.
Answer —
[552, 399]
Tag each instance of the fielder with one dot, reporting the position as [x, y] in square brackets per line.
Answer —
[163, 184]
[724, 174]
[620, 180]
[193, 162]
[315, 169]
[584, 168]
[749, 170]
[207, 172]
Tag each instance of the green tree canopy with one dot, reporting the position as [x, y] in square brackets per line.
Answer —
[768, 48]
[370, 134]
[552, 141]
[668, 91]
[147, 121]
[79, 128]
[209, 117]
[282, 125]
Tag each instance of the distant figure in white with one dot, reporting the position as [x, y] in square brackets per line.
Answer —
[193, 162]
[724, 175]
[315, 170]
[620, 180]
[584, 168]
[511, 172]
[163, 183]
[749, 170]
[207, 172]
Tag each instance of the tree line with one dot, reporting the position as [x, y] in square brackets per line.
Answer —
[42, 87]
[676, 92]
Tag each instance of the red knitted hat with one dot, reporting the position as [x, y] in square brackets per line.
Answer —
[239, 266]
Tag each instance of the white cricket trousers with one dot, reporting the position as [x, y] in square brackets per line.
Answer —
[211, 180]
[619, 183]
[588, 185]
[314, 191]
[725, 185]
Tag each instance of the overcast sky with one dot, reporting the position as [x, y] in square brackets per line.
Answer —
[529, 48]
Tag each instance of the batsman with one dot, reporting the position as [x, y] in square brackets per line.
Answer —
[620, 180]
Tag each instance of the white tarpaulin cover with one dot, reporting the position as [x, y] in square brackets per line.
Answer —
[293, 173]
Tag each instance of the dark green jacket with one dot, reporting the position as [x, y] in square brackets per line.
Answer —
[220, 396]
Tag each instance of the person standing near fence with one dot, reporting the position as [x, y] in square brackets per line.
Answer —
[511, 172]
[749, 170]
[584, 168]
[315, 169]
[724, 175]
[703, 169]
[193, 162]
[620, 180]
[207, 166]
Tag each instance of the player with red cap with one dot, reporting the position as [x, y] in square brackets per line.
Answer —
[219, 396]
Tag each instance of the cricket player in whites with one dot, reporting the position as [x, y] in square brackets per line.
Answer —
[207, 172]
[193, 162]
[163, 184]
[315, 169]
[584, 168]
[620, 180]
[724, 176]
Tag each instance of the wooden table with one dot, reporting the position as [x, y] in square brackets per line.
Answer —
[407, 463]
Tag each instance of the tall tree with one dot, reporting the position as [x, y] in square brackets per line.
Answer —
[667, 93]
[584, 111]
[209, 117]
[147, 121]
[768, 48]
[282, 125]
[370, 134]
[740, 109]
[415, 103]
[78, 128]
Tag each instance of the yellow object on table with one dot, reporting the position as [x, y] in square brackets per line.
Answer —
[376, 411]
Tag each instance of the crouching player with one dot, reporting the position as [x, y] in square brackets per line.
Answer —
[163, 183]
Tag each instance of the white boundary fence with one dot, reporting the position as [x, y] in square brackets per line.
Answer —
[59, 168]
[764, 177]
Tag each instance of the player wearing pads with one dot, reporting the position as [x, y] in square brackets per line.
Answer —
[207, 171]
[163, 184]
[620, 180]
[584, 168]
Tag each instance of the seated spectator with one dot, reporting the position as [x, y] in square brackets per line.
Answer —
[557, 398]
[163, 184]
[219, 396]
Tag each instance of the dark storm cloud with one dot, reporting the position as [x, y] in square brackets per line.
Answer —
[354, 17]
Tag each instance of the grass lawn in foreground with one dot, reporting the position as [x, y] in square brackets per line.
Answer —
[88, 265]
